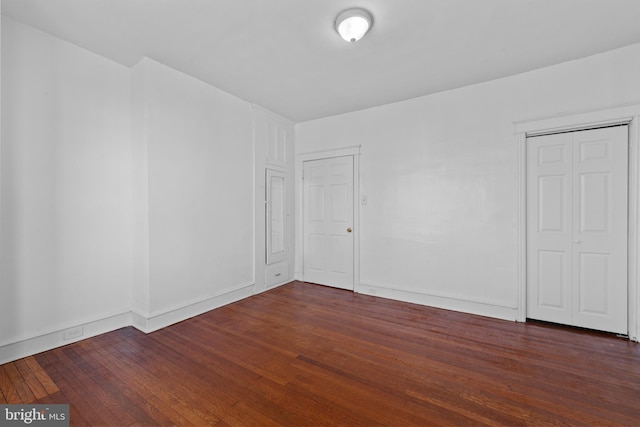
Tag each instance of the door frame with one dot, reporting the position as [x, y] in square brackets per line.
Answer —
[354, 152]
[623, 114]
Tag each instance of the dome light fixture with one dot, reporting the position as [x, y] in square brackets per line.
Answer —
[353, 24]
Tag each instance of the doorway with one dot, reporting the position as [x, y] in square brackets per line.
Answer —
[577, 228]
[328, 221]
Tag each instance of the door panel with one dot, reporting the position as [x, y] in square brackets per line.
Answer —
[595, 203]
[316, 252]
[553, 283]
[549, 244]
[327, 216]
[577, 228]
[337, 263]
[552, 191]
[600, 229]
[339, 202]
[316, 203]
[553, 154]
[594, 283]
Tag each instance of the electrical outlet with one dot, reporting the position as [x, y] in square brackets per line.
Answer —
[73, 333]
[372, 291]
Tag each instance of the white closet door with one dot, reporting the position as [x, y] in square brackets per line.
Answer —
[549, 228]
[577, 228]
[328, 222]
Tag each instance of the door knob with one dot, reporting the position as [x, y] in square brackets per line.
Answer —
[349, 230]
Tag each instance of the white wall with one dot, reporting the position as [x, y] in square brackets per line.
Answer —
[194, 143]
[126, 194]
[66, 199]
[439, 173]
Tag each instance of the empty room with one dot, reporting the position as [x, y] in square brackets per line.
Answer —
[320, 212]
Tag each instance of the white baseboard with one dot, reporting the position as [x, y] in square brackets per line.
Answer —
[128, 317]
[149, 322]
[58, 338]
[495, 309]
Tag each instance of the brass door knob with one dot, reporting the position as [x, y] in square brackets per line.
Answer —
[349, 230]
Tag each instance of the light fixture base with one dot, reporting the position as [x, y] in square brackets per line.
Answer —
[352, 24]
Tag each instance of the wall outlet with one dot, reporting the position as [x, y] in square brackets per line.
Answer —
[372, 291]
[73, 333]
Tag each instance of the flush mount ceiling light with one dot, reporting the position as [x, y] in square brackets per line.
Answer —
[353, 24]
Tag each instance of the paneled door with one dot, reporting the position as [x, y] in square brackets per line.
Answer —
[328, 222]
[577, 228]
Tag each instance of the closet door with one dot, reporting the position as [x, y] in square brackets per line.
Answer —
[577, 228]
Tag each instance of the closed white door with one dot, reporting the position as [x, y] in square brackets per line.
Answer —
[577, 228]
[328, 222]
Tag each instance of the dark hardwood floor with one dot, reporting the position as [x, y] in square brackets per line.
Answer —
[307, 355]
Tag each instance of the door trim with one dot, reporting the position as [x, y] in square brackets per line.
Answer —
[353, 151]
[624, 114]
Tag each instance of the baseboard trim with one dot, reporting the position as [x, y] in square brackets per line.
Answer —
[58, 338]
[149, 322]
[128, 317]
[158, 319]
[498, 310]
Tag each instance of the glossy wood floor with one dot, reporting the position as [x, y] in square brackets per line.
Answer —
[304, 354]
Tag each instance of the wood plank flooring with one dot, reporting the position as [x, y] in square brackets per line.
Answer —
[308, 355]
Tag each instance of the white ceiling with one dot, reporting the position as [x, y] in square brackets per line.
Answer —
[286, 56]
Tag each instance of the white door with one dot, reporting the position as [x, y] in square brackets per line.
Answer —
[328, 222]
[577, 228]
